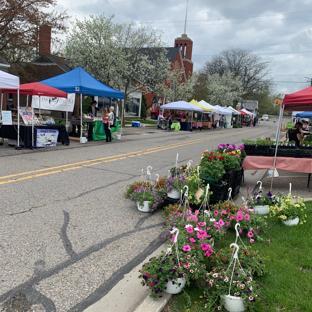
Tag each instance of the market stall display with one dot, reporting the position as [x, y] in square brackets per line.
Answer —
[43, 133]
[11, 82]
[80, 82]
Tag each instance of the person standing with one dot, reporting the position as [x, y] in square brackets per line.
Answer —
[106, 124]
[111, 120]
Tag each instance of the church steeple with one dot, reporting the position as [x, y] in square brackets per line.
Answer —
[186, 47]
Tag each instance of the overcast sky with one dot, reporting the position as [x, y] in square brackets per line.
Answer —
[280, 31]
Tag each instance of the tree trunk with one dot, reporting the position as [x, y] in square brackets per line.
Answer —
[123, 105]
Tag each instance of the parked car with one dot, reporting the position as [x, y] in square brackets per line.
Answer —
[265, 117]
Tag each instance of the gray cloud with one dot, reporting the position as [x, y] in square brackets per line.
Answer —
[277, 30]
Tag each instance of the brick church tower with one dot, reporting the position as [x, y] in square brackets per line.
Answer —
[186, 47]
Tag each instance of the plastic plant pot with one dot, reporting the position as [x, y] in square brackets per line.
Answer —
[292, 222]
[262, 209]
[233, 303]
[174, 287]
[146, 207]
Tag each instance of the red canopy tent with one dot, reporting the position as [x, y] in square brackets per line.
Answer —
[299, 101]
[38, 88]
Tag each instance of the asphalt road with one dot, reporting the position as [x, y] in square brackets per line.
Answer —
[67, 233]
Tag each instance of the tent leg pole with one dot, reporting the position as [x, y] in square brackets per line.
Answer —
[80, 116]
[18, 118]
[66, 121]
[32, 126]
[277, 137]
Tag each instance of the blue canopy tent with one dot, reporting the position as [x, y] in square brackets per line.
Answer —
[304, 115]
[81, 82]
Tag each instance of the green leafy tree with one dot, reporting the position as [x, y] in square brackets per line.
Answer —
[121, 55]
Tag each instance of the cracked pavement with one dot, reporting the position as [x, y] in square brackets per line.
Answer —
[68, 238]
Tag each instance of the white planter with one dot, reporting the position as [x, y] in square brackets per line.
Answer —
[83, 140]
[262, 209]
[174, 194]
[174, 287]
[118, 136]
[292, 222]
[233, 303]
[146, 207]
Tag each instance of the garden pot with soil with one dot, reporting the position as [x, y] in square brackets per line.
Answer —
[174, 194]
[145, 207]
[233, 303]
[292, 222]
[174, 287]
[262, 209]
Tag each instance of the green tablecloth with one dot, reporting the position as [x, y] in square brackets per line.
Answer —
[98, 130]
[176, 126]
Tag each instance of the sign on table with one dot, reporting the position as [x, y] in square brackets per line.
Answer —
[46, 137]
[6, 117]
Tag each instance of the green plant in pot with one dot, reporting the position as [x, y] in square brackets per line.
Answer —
[159, 271]
[290, 210]
[211, 168]
[143, 193]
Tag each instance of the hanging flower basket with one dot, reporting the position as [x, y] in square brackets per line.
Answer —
[233, 303]
[174, 194]
[262, 209]
[145, 206]
[174, 287]
[292, 222]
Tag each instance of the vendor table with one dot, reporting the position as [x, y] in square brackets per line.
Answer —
[292, 164]
[10, 132]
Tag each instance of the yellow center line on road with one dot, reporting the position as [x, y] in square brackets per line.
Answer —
[29, 175]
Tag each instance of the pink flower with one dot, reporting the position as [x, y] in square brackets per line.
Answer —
[189, 228]
[205, 247]
[247, 217]
[209, 252]
[232, 218]
[186, 248]
[187, 265]
[223, 212]
[201, 224]
[239, 216]
[251, 241]
[192, 240]
[216, 225]
[250, 234]
[221, 223]
[202, 234]
[227, 223]
[215, 213]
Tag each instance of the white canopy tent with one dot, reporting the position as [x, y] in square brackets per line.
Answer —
[8, 81]
[235, 112]
[224, 110]
[209, 106]
[181, 105]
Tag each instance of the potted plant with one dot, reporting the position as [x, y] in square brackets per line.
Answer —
[142, 193]
[212, 172]
[242, 288]
[175, 184]
[163, 274]
[261, 203]
[290, 210]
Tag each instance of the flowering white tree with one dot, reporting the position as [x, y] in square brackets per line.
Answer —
[223, 90]
[118, 54]
[176, 87]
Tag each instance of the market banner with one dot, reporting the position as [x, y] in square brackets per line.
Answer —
[54, 103]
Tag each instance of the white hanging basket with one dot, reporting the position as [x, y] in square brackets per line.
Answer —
[292, 222]
[262, 209]
[174, 287]
[174, 194]
[146, 207]
[233, 303]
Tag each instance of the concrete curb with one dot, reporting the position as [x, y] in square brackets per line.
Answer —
[128, 295]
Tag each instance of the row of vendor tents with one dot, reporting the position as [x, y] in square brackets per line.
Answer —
[204, 107]
[76, 81]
